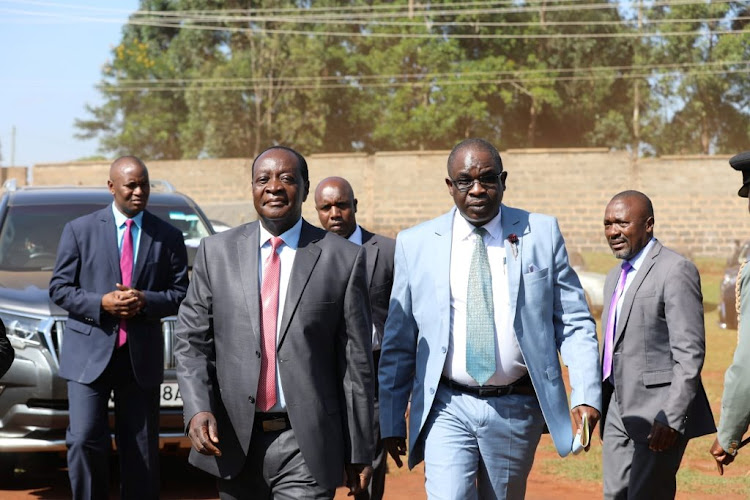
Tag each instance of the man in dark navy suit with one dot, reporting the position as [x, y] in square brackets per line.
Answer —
[118, 272]
[337, 206]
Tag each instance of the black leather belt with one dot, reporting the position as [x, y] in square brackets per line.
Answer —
[521, 386]
[272, 422]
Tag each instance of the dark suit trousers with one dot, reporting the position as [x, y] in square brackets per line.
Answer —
[136, 433]
[376, 487]
[274, 470]
[631, 470]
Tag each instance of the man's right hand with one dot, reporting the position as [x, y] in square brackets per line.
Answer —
[204, 434]
[396, 448]
[721, 457]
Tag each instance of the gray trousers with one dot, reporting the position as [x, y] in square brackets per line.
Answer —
[631, 470]
[274, 470]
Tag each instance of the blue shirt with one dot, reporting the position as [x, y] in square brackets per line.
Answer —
[135, 230]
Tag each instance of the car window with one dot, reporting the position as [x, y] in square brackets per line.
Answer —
[30, 234]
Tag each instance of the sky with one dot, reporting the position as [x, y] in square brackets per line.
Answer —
[51, 56]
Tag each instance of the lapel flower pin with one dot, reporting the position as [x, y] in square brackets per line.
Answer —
[513, 239]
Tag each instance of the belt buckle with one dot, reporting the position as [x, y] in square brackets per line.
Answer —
[274, 424]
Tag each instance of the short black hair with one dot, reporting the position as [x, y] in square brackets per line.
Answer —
[476, 143]
[300, 160]
[631, 193]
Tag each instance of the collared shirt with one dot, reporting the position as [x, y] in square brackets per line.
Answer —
[135, 230]
[287, 252]
[508, 357]
[356, 238]
[637, 263]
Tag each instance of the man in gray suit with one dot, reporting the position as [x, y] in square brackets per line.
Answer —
[273, 349]
[654, 345]
[735, 403]
[337, 208]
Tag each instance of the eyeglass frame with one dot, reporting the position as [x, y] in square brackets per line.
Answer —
[474, 180]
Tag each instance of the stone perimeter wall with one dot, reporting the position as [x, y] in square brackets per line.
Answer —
[695, 197]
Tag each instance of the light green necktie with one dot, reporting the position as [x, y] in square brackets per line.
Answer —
[480, 314]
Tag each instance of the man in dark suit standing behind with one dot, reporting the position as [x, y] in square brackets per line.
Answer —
[273, 349]
[654, 345]
[119, 271]
[337, 206]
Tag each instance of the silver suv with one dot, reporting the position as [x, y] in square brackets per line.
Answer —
[33, 398]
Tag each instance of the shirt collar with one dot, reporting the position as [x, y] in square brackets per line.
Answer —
[120, 217]
[637, 261]
[290, 236]
[356, 236]
[462, 228]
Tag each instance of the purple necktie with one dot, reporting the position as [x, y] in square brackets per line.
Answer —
[126, 269]
[609, 334]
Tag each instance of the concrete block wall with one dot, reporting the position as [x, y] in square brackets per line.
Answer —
[695, 197]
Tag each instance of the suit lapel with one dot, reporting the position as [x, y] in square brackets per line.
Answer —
[511, 224]
[248, 249]
[148, 226]
[304, 262]
[111, 245]
[627, 301]
[371, 258]
[439, 254]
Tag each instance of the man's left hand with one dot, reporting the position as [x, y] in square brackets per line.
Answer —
[662, 437]
[591, 413]
[357, 477]
[140, 299]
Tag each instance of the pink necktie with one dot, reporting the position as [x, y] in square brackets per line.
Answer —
[609, 334]
[126, 270]
[269, 298]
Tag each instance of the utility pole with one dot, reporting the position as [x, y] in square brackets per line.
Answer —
[637, 88]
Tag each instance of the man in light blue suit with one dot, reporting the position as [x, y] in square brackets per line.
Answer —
[483, 299]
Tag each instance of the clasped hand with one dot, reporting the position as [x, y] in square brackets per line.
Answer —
[123, 302]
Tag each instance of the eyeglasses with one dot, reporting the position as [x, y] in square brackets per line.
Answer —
[488, 181]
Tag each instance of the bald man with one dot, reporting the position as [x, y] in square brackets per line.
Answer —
[119, 271]
[337, 208]
[654, 346]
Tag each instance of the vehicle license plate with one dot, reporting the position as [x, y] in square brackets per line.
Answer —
[169, 395]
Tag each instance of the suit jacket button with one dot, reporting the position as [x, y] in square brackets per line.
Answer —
[257, 354]
[252, 399]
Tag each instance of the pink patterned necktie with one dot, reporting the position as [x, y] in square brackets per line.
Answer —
[126, 270]
[269, 298]
[609, 334]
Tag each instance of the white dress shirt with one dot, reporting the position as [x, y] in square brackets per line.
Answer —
[287, 252]
[508, 358]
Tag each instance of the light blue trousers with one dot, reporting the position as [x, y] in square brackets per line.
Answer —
[480, 447]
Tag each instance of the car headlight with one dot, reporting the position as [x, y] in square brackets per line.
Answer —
[22, 330]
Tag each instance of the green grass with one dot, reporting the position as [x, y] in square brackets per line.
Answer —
[698, 471]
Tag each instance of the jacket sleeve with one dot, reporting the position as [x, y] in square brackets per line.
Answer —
[65, 286]
[735, 403]
[398, 352]
[194, 342]
[575, 331]
[683, 311]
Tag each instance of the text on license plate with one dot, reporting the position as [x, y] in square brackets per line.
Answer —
[169, 395]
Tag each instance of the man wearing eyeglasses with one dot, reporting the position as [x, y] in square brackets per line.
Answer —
[483, 300]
